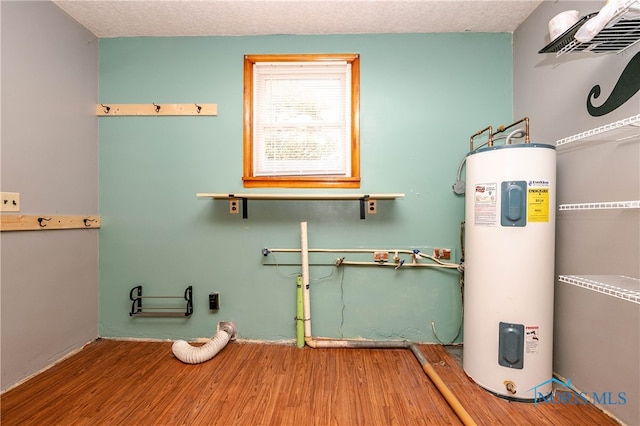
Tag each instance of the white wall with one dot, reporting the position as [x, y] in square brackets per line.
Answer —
[49, 288]
[596, 336]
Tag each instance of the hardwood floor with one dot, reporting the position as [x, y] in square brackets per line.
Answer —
[141, 383]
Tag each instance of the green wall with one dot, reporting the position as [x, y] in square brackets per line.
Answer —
[422, 96]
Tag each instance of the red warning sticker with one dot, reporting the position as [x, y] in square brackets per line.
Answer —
[485, 210]
[532, 339]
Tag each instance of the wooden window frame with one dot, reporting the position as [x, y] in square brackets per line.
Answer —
[313, 181]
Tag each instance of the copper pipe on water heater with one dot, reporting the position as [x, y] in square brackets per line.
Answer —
[526, 129]
[478, 133]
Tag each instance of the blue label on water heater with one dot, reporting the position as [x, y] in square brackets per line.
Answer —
[513, 208]
[511, 345]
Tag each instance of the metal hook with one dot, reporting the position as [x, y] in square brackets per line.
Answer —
[198, 107]
[87, 220]
[40, 219]
[157, 107]
[107, 108]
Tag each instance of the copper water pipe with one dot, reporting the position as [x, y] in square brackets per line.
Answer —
[526, 129]
[478, 133]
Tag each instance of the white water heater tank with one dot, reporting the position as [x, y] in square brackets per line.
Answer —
[509, 269]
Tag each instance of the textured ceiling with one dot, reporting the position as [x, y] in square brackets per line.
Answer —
[131, 18]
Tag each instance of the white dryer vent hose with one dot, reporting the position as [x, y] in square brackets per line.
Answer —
[199, 354]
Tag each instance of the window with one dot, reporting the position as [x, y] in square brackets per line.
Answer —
[301, 121]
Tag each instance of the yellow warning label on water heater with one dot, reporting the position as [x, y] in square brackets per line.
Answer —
[538, 201]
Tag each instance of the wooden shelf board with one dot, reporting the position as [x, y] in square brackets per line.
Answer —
[229, 196]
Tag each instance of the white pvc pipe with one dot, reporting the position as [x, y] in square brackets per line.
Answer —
[336, 250]
[351, 250]
[306, 297]
[199, 354]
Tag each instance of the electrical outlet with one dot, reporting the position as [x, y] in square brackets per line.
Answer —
[234, 205]
[10, 202]
[214, 301]
[372, 206]
[442, 253]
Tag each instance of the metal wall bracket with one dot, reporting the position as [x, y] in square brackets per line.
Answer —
[137, 310]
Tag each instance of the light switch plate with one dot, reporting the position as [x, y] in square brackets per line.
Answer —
[10, 202]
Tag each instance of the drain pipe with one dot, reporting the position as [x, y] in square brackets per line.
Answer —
[306, 307]
[312, 342]
[199, 354]
[306, 298]
[299, 314]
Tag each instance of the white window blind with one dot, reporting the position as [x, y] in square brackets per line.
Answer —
[302, 118]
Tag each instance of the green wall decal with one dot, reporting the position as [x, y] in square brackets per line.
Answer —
[627, 85]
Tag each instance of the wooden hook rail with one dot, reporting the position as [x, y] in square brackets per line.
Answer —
[22, 222]
[112, 110]
[137, 310]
